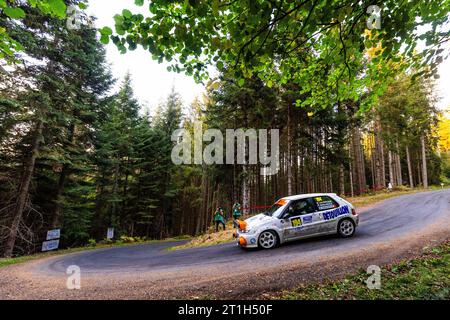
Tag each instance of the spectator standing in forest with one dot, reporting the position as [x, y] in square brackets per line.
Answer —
[236, 214]
[219, 218]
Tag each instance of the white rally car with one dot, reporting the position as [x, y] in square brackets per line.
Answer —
[298, 217]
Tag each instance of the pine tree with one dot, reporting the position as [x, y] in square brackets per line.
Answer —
[62, 97]
[169, 119]
[115, 156]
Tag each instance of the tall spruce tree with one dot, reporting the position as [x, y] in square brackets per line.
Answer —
[66, 78]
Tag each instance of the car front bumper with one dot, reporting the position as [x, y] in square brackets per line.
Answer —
[246, 240]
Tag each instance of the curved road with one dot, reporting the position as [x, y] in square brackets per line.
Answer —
[391, 230]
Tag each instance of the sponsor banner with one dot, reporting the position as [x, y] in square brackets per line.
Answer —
[53, 234]
[50, 245]
[110, 233]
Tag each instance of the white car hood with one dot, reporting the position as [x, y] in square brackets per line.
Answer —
[259, 220]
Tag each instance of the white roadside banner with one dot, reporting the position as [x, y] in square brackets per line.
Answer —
[50, 245]
[110, 233]
[53, 234]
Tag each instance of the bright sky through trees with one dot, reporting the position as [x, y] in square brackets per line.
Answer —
[151, 81]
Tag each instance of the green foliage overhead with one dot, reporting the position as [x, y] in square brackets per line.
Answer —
[283, 40]
[14, 10]
[55, 8]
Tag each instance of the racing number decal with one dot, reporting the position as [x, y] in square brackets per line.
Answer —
[297, 222]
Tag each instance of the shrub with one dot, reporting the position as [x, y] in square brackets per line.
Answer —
[401, 188]
[127, 239]
[106, 241]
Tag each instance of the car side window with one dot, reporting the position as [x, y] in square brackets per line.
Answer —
[301, 207]
[325, 203]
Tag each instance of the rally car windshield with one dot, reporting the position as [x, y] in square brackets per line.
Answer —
[274, 210]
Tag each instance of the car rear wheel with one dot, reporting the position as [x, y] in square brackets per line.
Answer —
[267, 240]
[346, 228]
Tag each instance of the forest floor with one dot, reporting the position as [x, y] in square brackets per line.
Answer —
[424, 277]
[211, 237]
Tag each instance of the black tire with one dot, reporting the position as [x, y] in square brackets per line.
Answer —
[346, 228]
[268, 239]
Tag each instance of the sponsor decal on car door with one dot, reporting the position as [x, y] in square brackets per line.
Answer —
[330, 211]
[305, 219]
[312, 222]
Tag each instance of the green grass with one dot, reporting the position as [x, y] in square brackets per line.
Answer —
[210, 238]
[15, 260]
[426, 277]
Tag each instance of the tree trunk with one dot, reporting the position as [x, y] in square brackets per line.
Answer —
[410, 173]
[114, 192]
[380, 170]
[289, 153]
[23, 190]
[204, 207]
[383, 163]
[59, 194]
[419, 170]
[398, 165]
[424, 163]
[358, 156]
[391, 169]
[61, 183]
[245, 192]
[352, 190]
[341, 180]
[373, 162]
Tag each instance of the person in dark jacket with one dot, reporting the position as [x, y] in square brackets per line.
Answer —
[219, 218]
[236, 214]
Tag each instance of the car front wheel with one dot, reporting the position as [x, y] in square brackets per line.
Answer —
[346, 228]
[268, 239]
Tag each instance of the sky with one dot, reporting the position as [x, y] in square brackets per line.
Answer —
[151, 80]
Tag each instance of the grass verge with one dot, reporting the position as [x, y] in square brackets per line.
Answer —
[209, 238]
[422, 278]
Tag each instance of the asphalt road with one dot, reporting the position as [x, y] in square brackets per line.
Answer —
[388, 231]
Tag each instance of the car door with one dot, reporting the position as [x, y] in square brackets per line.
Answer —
[327, 209]
[301, 219]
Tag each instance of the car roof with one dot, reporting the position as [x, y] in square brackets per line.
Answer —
[308, 195]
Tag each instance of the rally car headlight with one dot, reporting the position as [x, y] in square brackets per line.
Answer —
[242, 226]
[249, 231]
